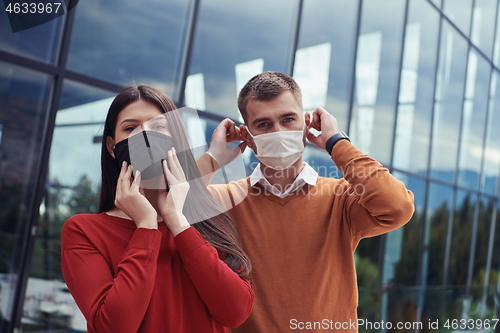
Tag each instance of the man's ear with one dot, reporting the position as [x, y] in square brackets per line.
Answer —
[246, 137]
[110, 145]
[307, 117]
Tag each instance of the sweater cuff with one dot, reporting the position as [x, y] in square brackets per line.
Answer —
[343, 153]
[188, 241]
[144, 238]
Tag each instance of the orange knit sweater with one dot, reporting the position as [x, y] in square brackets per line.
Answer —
[301, 246]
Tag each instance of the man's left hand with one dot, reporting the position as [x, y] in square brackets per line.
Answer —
[326, 124]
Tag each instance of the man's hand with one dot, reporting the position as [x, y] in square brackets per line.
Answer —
[326, 124]
[225, 133]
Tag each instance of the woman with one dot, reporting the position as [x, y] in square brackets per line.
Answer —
[139, 265]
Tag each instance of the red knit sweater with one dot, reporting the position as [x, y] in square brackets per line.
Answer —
[126, 279]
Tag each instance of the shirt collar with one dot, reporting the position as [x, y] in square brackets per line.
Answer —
[307, 176]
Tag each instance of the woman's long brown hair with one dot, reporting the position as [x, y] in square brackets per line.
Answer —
[215, 226]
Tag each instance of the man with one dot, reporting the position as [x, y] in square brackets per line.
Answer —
[300, 230]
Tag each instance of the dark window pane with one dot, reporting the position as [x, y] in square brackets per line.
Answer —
[439, 205]
[459, 12]
[329, 27]
[39, 43]
[448, 103]
[401, 259]
[485, 233]
[130, 41]
[483, 20]
[24, 95]
[235, 40]
[416, 92]
[473, 121]
[72, 188]
[377, 75]
[437, 218]
[494, 276]
[491, 166]
[461, 238]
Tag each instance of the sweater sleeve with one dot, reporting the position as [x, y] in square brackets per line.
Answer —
[375, 201]
[110, 304]
[228, 297]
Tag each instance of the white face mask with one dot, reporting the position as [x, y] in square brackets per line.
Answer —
[279, 150]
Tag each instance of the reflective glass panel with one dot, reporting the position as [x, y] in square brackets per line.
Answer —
[24, 95]
[130, 41]
[72, 188]
[416, 92]
[494, 277]
[235, 40]
[473, 121]
[439, 212]
[485, 234]
[483, 19]
[39, 43]
[377, 74]
[332, 23]
[401, 258]
[459, 12]
[496, 44]
[460, 246]
[448, 103]
[491, 166]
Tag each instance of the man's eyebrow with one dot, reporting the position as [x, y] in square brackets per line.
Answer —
[288, 114]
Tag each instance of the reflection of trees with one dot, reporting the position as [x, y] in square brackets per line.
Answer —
[13, 214]
[61, 202]
[437, 244]
[461, 242]
[452, 301]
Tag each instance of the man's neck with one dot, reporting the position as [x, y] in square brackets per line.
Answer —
[282, 179]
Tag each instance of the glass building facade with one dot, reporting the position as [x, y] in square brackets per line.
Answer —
[415, 83]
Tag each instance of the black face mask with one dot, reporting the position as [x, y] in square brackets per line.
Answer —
[145, 152]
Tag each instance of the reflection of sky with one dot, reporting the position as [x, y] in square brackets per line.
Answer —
[124, 41]
[449, 97]
[73, 153]
[333, 22]
[234, 32]
[39, 42]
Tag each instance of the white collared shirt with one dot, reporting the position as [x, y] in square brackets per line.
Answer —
[307, 176]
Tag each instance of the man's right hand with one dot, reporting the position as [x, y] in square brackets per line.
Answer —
[225, 133]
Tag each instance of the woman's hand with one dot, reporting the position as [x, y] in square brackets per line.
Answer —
[132, 202]
[171, 203]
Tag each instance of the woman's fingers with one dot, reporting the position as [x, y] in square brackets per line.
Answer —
[175, 167]
[168, 175]
[137, 181]
[121, 178]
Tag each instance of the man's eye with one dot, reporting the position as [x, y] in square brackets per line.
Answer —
[287, 120]
[262, 125]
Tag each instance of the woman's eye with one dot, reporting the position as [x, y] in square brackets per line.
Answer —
[130, 128]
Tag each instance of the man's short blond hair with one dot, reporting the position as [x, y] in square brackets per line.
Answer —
[267, 86]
